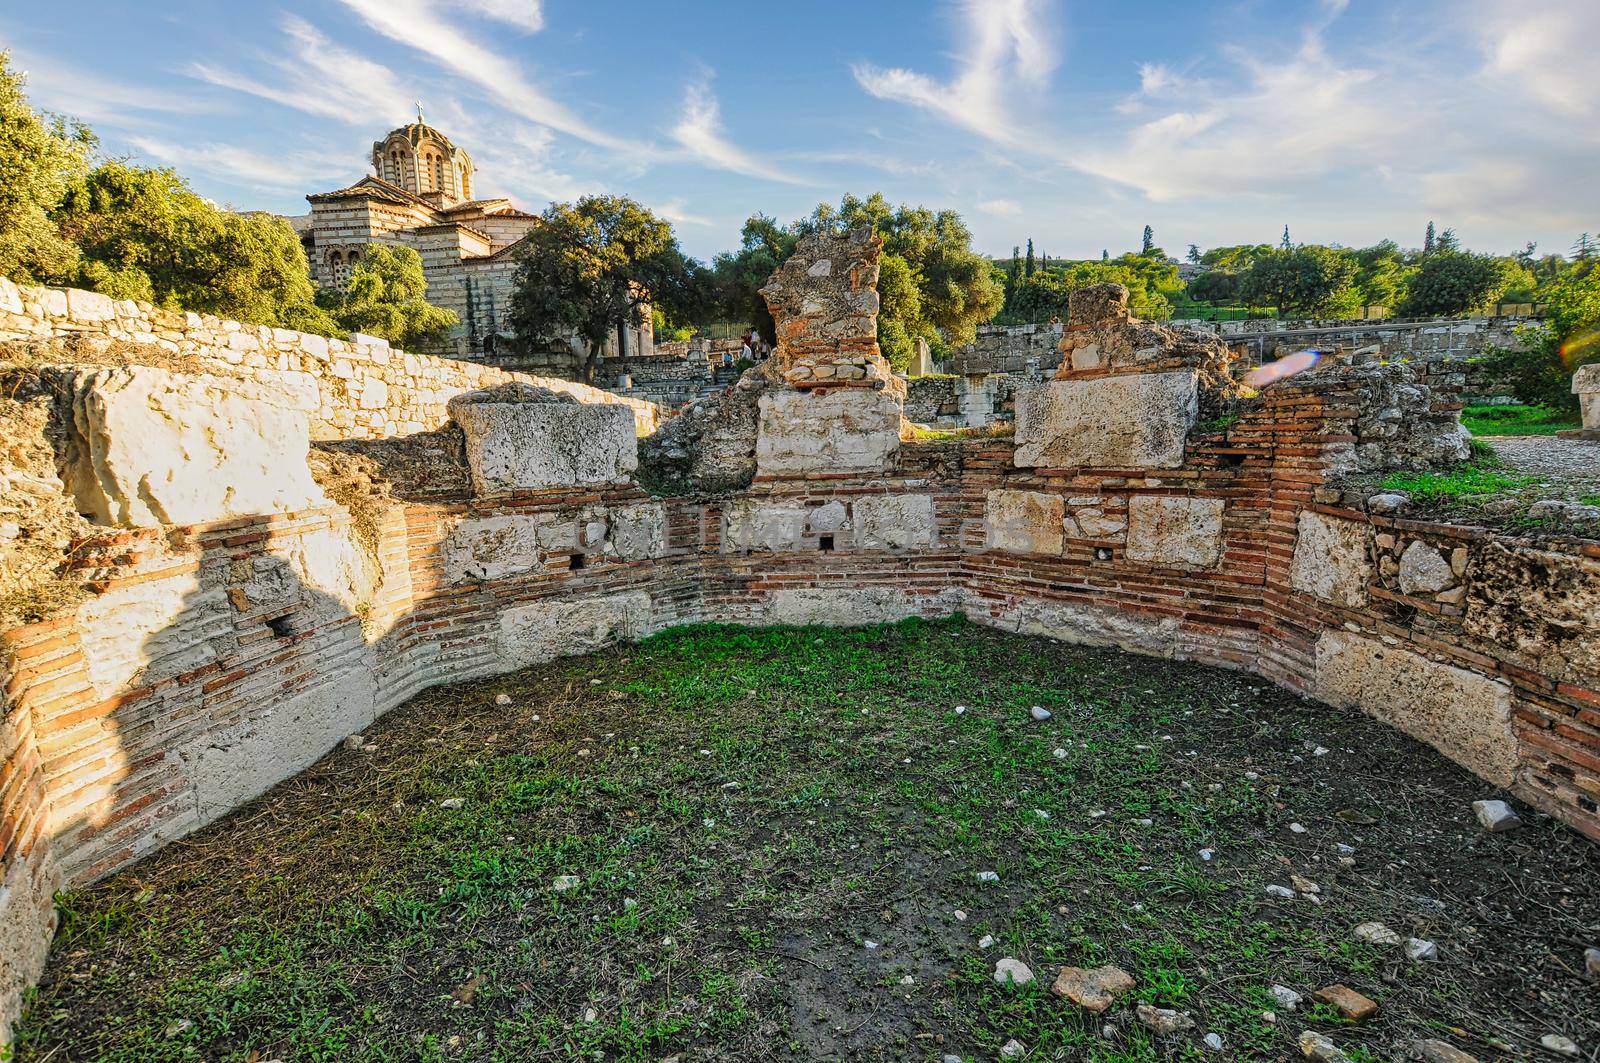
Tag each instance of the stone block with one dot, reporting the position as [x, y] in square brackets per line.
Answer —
[894, 522]
[27, 921]
[639, 531]
[1539, 606]
[1586, 385]
[531, 446]
[851, 430]
[151, 447]
[840, 606]
[151, 631]
[753, 525]
[1330, 559]
[1175, 531]
[1135, 421]
[489, 548]
[1023, 522]
[1464, 715]
[1156, 636]
[566, 627]
[89, 307]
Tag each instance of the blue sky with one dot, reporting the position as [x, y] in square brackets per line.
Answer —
[1075, 123]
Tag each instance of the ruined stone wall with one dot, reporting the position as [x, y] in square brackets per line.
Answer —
[1008, 349]
[366, 389]
[218, 658]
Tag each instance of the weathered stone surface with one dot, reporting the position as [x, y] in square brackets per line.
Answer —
[1009, 970]
[824, 304]
[1092, 989]
[27, 922]
[543, 631]
[1090, 626]
[1540, 606]
[489, 548]
[1330, 559]
[1023, 522]
[1433, 1050]
[1396, 425]
[753, 524]
[638, 531]
[1423, 570]
[847, 606]
[1320, 1049]
[1586, 385]
[530, 444]
[710, 446]
[1090, 521]
[1496, 816]
[1135, 421]
[848, 430]
[231, 765]
[1175, 531]
[148, 447]
[1464, 715]
[894, 522]
[154, 629]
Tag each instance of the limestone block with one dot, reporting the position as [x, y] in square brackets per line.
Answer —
[894, 522]
[145, 632]
[10, 296]
[840, 606]
[27, 922]
[489, 548]
[1464, 715]
[530, 446]
[1330, 559]
[1586, 385]
[1086, 519]
[229, 766]
[1138, 421]
[1023, 522]
[564, 627]
[1541, 606]
[1423, 570]
[851, 430]
[90, 307]
[1176, 531]
[1092, 626]
[151, 447]
[639, 531]
[750, 524]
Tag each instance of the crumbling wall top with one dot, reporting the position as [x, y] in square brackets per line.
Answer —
[824, 300]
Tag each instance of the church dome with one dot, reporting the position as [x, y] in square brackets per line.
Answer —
[423, 161]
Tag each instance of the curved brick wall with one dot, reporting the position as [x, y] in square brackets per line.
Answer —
[218, 659]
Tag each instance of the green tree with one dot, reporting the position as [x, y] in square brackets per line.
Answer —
[1148, 243]
[1540, 372]
[39, 160]
[1285, 244]
[1306, 281]
[737, 276]
[1427, 240]
[144, 234]
[1382, 274]
[1454, 282]
[387, 297]
[1027, 269]
[1194, 254]
[590, 269]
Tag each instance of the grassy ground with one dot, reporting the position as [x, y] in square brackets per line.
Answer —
[1513, 420]
[773, 832]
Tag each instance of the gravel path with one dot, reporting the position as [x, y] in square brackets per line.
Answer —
[1571, 464]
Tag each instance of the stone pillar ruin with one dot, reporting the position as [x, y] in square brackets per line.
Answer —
[1586, 385]
[836, 406]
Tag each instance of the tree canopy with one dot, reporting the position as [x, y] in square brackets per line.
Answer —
[1308, 281]
[931, 283]
[39, 160]
[386, 297]
[592, 268]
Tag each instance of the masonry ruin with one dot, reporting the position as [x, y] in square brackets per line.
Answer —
[231, 547]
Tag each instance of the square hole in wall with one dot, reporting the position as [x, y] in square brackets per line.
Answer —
[281, 626]
[1102, 553]
[825, 542]
[577, 561]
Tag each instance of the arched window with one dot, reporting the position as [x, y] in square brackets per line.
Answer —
[438, 173]
[394, 168]
[335, 260]
[355, 256]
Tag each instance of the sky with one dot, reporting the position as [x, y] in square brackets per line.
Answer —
[1072, 123]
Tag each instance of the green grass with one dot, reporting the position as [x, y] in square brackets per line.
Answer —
[1514, 420]
[744, 809]
[1482, 474]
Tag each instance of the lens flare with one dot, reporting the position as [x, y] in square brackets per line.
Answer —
[1581, 346]
[1282, 369]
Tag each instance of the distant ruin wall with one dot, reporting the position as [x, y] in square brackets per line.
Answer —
[366, 388]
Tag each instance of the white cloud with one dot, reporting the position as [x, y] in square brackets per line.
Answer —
[524, 14]
[677, 212]
[321, 78]
[1008, 45]
[58, 86]
[1293, 120]
[699, 130]
[291, 171]
[422, 25]
[1543, 49]
[1005, 208]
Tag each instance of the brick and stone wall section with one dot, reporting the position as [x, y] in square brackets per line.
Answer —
[218, 659]
[366, 389]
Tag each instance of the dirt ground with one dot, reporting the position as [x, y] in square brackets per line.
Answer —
[775, 839]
